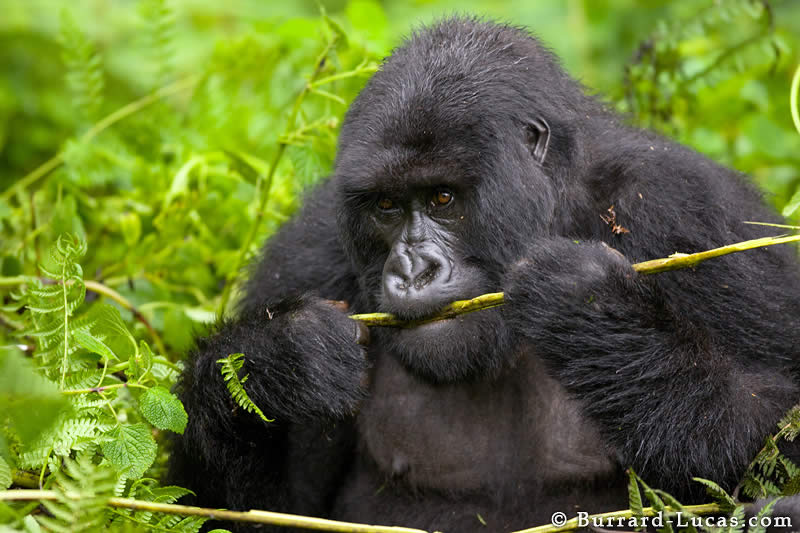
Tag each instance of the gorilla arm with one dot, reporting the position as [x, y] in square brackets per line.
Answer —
[305, 370]
[683, 371]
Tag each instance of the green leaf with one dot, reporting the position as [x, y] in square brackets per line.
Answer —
[337, 31]
[31, 525]
[5, 474]
[792, 205]
[765, 512]
[718, 493]
[93, 344]
[168, 494]
[31, 403]
[106, 320]
[230, 367]
[131, 449]
[140, 363]
[131, 227]
[163, 409]
[635, 498]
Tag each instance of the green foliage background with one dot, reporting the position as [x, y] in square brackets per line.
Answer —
[148, 147]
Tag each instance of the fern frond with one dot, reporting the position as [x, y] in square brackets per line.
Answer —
[34, 457]
[790, 423]
[84, 68]
[160, 18]
[230, 367]
[720, 495]
[51, 307]
[82, 490]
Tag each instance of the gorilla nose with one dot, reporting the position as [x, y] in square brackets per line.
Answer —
[410, 282]
[413, 279]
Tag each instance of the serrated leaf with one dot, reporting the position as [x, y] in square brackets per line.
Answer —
[131, 449]
[765, 512]
[635, 498]
[5, 474]
[230, 367]
[93, 344]
[718, 493]
[163, 409]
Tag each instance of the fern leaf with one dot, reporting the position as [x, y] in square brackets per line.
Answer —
[790, 423]
[160, 19]
[230, 367]
[82, 489]
[84, 68]
[725, 501]
[765, 512]
[635, 498]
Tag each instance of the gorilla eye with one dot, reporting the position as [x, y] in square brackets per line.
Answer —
[385, 204]
[442, 198]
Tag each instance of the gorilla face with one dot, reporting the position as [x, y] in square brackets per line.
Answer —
[430, 213]
[445, 168]
[410, 237]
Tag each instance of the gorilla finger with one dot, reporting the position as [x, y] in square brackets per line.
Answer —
[341, 305]
[362, 333]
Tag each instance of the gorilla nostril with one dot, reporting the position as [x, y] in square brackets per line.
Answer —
[426, 277]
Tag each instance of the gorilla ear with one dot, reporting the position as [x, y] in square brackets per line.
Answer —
[538, 133]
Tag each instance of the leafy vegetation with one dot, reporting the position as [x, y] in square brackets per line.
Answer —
[148, 148]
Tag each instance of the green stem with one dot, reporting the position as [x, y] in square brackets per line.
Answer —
[14, 281]
[253, 516]
[369, 69]
[794, 97]
[99, 288]
[65, 292]
[103, 388]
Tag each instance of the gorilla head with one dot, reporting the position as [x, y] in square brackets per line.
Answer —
[453, 136]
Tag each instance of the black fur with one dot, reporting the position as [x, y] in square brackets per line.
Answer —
[515, 412]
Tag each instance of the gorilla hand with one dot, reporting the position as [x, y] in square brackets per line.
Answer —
[562, 286]
[304, 358]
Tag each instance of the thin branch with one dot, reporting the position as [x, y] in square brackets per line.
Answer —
[103, 388]
[459, 307]
[487, 301]
[254, 516]
[794, 96]
[107, 291]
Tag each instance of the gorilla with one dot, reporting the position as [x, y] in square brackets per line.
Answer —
[472, 163]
